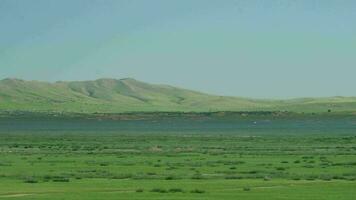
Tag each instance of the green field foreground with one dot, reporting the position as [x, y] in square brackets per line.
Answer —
[312, 158]
[220, 164]
[214, 189]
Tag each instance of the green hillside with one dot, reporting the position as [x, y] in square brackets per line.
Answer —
[129, 95]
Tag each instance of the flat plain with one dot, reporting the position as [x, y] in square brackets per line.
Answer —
[163, 156]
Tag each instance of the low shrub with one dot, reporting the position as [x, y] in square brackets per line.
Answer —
[60, 179]
[170, 178]
[139, 190]
[198, 191]
[159, 190]
[174, 190]
[30, 179]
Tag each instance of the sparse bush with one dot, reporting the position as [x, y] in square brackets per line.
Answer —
[311, 178]
[159, 190]
[60, 179]
[139, 190]
[122, 176]
[170, 178]
[198, 191]
[174, 190]
[104, 164]
[280, 168]
[30, 179]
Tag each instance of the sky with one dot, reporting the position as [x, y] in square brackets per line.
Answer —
[249, 48]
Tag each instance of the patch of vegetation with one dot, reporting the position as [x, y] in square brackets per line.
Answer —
[198, 191]
[155, 160]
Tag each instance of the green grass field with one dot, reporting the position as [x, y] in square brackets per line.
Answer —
[258, 157]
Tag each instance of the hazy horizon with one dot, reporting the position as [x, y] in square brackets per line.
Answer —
[247, 48]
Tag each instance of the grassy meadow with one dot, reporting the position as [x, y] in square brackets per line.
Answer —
[198, 156]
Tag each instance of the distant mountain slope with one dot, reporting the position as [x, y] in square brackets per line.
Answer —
[129, 95]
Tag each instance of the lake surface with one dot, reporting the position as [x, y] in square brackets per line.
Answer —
[336, 125]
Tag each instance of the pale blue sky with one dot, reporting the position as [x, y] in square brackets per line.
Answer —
[251, 48]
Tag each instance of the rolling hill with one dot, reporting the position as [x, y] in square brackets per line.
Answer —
[130, 95]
